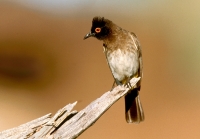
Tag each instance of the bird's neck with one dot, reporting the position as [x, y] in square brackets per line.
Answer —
[112, 36]
[114, 39]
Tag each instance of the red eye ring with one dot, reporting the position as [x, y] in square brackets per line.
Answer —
[97, 30]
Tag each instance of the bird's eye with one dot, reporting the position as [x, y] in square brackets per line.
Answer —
[97, 30]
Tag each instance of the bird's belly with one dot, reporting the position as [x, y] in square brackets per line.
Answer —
[123, 64]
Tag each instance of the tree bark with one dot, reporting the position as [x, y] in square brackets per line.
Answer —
[66, 123]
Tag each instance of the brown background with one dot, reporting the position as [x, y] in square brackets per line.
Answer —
[45, 64]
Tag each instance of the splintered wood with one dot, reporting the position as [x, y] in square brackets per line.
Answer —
[67, 124]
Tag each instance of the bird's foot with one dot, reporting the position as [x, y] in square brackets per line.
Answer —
[128, 83]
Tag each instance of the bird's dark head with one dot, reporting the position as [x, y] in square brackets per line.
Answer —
[101, 28]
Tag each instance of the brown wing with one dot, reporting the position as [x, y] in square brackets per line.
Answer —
[140, 70]
[133, 108]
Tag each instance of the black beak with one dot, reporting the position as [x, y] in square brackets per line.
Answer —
[89, 35]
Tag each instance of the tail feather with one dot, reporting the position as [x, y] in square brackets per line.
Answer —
[133, 107]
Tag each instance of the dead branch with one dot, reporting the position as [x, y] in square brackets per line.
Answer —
[66, 123]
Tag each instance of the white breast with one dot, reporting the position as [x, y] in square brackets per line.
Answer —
[123, 64]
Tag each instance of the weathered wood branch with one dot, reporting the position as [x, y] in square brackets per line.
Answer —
[66, 123]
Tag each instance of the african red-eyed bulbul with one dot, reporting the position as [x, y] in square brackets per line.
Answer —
[124, 57]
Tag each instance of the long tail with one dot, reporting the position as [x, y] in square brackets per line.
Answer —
[133, 107]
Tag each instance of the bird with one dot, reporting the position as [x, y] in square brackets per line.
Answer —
[124, 57]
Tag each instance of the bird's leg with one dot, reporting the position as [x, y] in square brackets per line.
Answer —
[113, 85]
[117, 82]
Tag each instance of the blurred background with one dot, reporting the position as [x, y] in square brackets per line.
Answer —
[45, 64]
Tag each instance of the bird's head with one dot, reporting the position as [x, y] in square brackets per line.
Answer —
[101, 28]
